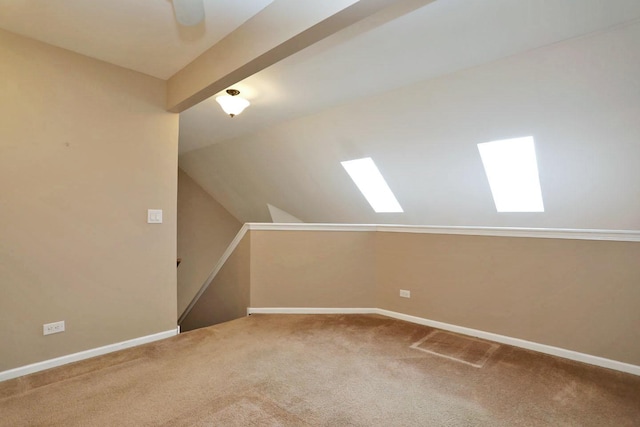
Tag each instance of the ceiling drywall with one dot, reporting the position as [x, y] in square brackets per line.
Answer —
[579, 99]
[433, 40]
[140, 35]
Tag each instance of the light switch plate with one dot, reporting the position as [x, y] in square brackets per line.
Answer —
[154, 216]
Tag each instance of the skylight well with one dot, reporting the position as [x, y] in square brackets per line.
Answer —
[512, 171]
[372, 185]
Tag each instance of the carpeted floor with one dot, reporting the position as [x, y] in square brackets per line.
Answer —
[322, 370]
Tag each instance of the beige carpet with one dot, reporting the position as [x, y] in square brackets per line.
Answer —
[322, 370]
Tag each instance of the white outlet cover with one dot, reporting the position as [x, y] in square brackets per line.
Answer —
[405, 293]
[53, 328]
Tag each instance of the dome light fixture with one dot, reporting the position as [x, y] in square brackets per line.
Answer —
[232, 104]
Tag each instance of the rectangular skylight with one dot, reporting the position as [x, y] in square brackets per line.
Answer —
[512, 170]
[372, 185]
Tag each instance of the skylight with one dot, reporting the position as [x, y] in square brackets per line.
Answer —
[372, 185]
[512, 170]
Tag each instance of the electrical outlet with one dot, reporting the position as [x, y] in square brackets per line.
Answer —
[53, 328]
[405, 294]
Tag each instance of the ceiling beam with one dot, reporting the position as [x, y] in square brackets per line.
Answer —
[280, 30]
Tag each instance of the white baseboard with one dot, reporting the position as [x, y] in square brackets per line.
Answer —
[310, 310]
[516, 342]
[63, 360]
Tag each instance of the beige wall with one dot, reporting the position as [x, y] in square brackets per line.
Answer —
[205, 229]
[85, 149]
[312, 269]
[227, 297]
[579, 295]
[575, 294]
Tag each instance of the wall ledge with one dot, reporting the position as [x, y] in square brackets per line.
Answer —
[540, 233]
[98, 351]
[303, 226]
[503, 339]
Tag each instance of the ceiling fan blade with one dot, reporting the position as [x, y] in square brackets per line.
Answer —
[189, 12]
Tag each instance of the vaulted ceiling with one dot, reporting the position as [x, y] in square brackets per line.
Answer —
[417, 93]
[415, 86]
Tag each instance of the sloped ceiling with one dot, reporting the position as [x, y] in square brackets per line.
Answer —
[417, 93]
[394, 51]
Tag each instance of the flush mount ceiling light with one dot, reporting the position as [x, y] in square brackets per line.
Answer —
[189, 12]
[232, 104]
